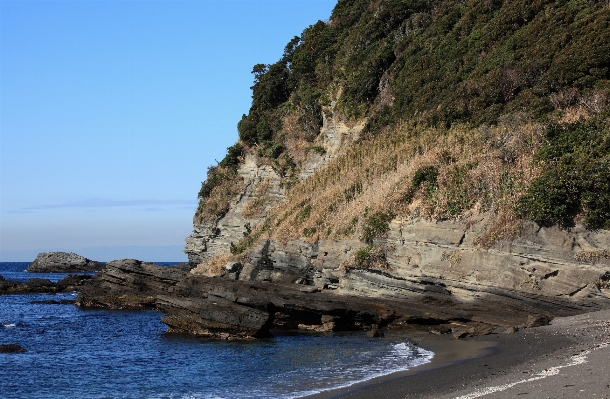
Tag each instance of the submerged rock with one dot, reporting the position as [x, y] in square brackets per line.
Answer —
[11, 348]
[53, 302]
[63, 262]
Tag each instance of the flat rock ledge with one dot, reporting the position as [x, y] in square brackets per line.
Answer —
[63, 262]
[219, 308]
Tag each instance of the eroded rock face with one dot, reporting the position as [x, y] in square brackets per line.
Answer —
[63, 262]
[221, 308]
[540, 268]
[543, 272]
[214, 238]
[539, 274]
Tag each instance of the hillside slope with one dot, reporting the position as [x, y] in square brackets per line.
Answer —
[403, 149]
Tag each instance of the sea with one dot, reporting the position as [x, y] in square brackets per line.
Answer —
[94, 353]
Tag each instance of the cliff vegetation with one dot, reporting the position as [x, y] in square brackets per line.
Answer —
[466, 107]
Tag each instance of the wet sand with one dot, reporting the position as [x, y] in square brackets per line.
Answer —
[566, 359]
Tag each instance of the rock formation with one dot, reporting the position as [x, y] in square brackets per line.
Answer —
[406, 195]
[63, 262]
[69, 283]
[542, 270]
[548, 269]
[229, 308]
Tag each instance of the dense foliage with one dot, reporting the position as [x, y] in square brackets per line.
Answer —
[438, 64]
[576, 178]
[438, 61]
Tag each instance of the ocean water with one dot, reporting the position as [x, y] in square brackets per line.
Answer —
[92, 353]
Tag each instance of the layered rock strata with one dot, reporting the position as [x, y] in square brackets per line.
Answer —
[546, 268]
[226, 308]
[553, 270]
[63, 262]
[214, 238]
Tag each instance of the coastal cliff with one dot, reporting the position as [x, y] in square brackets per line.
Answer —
[550, 270]
[447, 156]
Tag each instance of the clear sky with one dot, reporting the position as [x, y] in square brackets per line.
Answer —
[111, 112]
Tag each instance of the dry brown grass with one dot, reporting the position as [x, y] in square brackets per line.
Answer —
[479, 170]
[575, 106]
[369, 257]
[212, 267]
[294, 139]
[592, 256]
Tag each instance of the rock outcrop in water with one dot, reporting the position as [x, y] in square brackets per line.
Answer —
[69, 283]
[11, 348]
[63, 262]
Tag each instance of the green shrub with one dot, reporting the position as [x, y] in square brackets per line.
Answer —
[309, 231]
[270, 149]
[576, 178]
[285, 167]
[459, 193]
[226, 170]
[303, 214]
[371, 256]
[318, 149]
[215, 177]
[247, 129]
[250, 239]
[263, 131]
[233, 157]
[376, 225]
[352, 191]
[425, 175]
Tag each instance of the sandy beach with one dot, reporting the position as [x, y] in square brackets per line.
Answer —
[567, 359]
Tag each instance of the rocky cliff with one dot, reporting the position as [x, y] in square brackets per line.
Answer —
[557, 270]
[450, 157]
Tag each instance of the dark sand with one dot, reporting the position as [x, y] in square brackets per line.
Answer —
[564, 360]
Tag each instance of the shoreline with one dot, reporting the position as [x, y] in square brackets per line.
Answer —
[495, 366]
[447, 352]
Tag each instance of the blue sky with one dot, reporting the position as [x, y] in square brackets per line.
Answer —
[111, 112]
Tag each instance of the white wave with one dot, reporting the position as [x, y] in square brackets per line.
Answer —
[403, 356]
[9, 325]
[413, 357]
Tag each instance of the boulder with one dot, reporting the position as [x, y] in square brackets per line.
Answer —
[63, 262]
[374, 334]
[537, 320]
